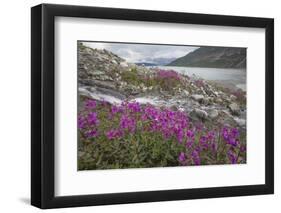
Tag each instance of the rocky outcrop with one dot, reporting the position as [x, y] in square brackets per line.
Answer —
[234, 108]
[103, 69]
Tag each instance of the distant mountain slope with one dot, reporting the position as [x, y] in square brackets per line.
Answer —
[215, 57]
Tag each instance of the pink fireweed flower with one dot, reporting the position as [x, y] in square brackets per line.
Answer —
[234, 132]
[90, 104]
[144, 117]
[166, 132]
[230, 136]
[225, 133]
[195, 157]
[182, 158]
[232, 156]
[190, 133]
[180, 135]
[170, 113]
[189, 143]
[127, 123]
[81, 122]
[162, 74]
[114, 109]
[232, 142]
[151, 112]
[203, 141]
[92, 118]
[198, 149]
[183, 122]
[134, 106]
[91, 133]
[113, 133]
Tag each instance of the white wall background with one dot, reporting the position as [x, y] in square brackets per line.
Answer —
[15, 105]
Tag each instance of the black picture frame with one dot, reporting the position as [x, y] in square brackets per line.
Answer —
[43, 105]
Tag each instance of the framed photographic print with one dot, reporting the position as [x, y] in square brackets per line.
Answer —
[139, 106]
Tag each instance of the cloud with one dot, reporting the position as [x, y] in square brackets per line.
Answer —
[142, 52]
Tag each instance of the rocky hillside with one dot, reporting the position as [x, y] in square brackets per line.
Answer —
[102, 69]
[213, 57]
[104, 76]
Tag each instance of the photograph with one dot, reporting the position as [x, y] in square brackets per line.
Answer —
[133, 105]
[160, 105]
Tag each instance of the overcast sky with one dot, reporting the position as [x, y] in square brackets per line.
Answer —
[142, 52]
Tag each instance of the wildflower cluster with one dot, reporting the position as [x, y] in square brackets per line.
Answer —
[163, 74]
[168, 79]
[134, 135]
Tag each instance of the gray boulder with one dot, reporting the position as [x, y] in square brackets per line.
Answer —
[198, 114]
[213, 114]
[197, 97]
[234, 109]
[241, 122]
[98, 83]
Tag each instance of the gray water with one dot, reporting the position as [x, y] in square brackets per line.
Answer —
[236, 77]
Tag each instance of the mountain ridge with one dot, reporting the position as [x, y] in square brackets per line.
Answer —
[213, 57]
